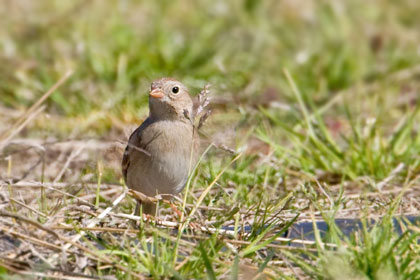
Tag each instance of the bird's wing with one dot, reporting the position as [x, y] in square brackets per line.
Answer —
[125, 162]
[134, 143]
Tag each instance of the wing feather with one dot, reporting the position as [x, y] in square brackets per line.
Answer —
[134, 143]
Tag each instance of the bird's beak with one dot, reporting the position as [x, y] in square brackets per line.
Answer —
[156, 93]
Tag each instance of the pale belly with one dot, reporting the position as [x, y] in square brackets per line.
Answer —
[166, 175]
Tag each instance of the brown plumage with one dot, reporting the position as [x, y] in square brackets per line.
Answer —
[162, 150]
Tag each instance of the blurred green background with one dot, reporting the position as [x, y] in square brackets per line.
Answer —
[364, 52]
[115, 48]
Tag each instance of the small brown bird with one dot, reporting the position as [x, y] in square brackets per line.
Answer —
[161, 151]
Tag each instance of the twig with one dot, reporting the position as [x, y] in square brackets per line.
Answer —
[96, 220]
[88, 143]
[30, 238]
[73, 241]
[98, 256]
[27, 207]
[61, 249]
[231, 233]
[391, 176]
[325, 193]
[35, 184]
[101, 229]
[46, 275]
[103, 193]
[50, 186]
[74, 154]
[225, 148]
[12, 132]
[29, 221]
[32, 111]
[203, 229]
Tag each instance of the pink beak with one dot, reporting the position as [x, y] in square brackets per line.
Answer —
[156, 93]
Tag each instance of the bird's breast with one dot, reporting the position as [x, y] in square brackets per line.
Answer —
[170, 149]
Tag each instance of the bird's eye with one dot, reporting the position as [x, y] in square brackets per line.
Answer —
[175, 90]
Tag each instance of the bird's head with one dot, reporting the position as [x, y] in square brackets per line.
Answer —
[169, 99]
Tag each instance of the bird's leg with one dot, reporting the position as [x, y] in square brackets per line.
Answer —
[148, 210]
[178, 212]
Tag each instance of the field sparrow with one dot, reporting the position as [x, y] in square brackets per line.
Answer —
[160, 152]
